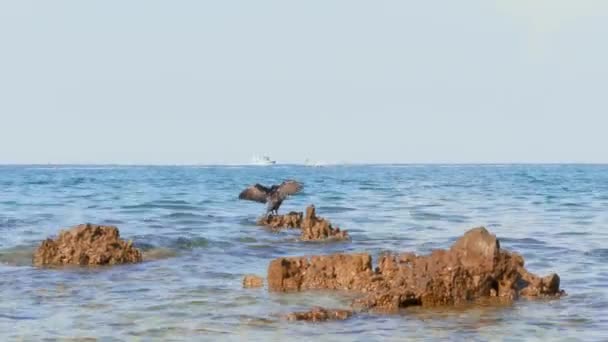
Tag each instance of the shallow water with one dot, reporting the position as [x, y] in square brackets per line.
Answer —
[200, 241]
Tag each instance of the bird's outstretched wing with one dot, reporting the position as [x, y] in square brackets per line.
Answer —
[257, 193]
[289, 187]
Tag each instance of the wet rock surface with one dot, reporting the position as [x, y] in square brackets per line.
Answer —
[86, 245]
[319, 314]
[475, 267]
[334, 272]
[252, 281]
[313, 228]
[291, 220]
[316, 228]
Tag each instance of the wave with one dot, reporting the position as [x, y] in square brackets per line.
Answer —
[428, 216]
[523, 241]
[334, 209]
[112, 222]
[175, 205]
[38, 182]
[187, 215]
[11, 222]
[573, 234]
[599, 253]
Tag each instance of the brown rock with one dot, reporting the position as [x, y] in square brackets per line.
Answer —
[251, 281]
[477, 248]
[319, 314]
[313, 228]
[86, 245]
[336, 272]
[291, 220]
[474, 268]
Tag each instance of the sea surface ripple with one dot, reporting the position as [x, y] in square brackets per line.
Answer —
[201, 241]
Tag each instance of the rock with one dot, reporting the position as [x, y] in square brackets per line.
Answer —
[313, 228]
[87, 245]
[477, 248]
[319, 314]
[474, 268]
[533, 286]
[291, 220]
[336, 272]
[252, 281]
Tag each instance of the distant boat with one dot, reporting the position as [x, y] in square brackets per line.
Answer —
[262, 161]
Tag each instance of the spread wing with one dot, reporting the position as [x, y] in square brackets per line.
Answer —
[289, 187]
[257, 193]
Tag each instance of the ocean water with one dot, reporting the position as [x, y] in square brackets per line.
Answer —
[202, 240]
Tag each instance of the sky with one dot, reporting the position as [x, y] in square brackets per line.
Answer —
[214, 82]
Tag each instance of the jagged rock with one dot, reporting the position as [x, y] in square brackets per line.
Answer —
[291, 220]
[86, 245]
[336, 272]
[473, 268]
[252, 281]
[313, 228]
[319, 314]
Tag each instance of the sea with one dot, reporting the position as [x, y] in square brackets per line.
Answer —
[200, 240]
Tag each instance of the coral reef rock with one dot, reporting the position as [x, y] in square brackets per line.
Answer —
[291, 220]
[319, 314]
[86, 245]
[334, 272]
[474, 268]
[313, 228]
[252, 281]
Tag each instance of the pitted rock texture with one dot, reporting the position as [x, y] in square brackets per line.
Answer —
[316, 228]
[86, 245]
[475, 267]
[334, 272]
[313, 228]
[291, 220]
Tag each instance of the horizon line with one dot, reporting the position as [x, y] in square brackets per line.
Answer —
[301, 164]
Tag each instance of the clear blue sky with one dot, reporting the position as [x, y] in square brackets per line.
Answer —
[352, 81]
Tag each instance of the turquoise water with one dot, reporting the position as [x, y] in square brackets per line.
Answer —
[203, 240]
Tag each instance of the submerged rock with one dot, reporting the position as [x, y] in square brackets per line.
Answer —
[313, 228]
[252, 281]
[87, 245]
[319, 314]
[473, 268]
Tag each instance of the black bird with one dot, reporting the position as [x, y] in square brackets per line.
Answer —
[272, 196]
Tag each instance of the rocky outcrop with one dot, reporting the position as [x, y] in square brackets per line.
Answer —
[313, 228]
[87, 245]
[319, 314]
[291, 220]
[334, 272]
[475, 267]
[252, 281]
